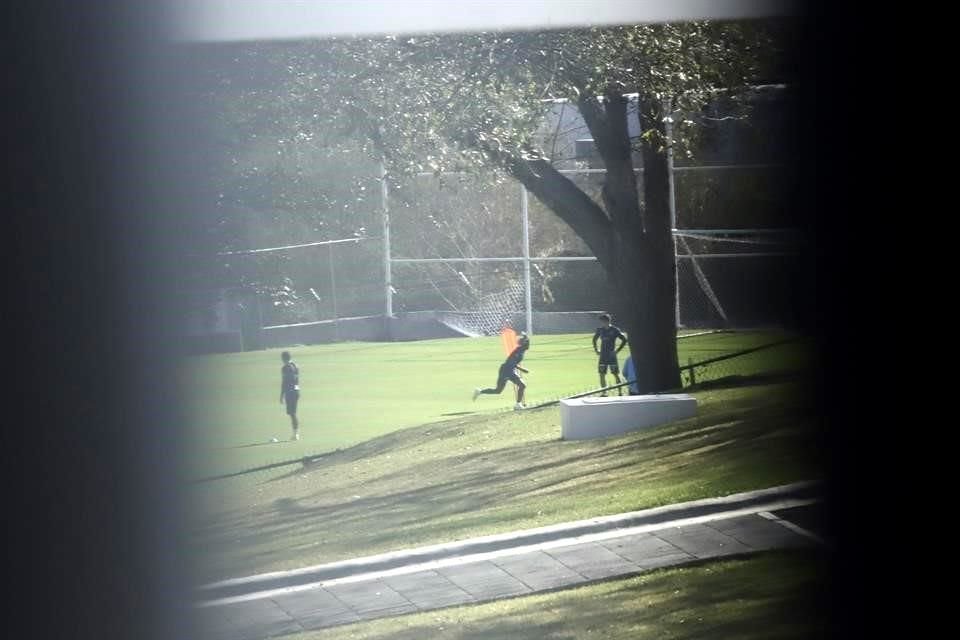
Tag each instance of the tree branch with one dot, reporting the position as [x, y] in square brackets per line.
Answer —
[560, 195]
[607, 122]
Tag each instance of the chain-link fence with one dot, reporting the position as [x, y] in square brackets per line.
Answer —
[461, 246]
[771, 359]
[736, 278]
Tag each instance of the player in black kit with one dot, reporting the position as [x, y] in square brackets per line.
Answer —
[290, 391]
[508, 372]
[608, 335]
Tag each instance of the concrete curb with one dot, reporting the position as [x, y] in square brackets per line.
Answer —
[752, 501]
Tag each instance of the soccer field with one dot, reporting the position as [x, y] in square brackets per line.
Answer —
[352, 392]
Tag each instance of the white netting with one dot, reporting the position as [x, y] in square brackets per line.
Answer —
[488, 314]
[735, 277]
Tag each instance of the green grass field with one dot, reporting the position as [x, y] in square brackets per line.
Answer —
[402, 457]
[353, 392]
[490, 473]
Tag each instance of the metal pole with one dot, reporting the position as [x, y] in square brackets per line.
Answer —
[528, 306]
[387, 276]
[238, 310]
[510, 259]
[260, 335]
[333, 293]
[668, 129]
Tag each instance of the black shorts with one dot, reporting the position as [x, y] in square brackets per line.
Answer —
[291, 398]
[608, 360]
[508, 373]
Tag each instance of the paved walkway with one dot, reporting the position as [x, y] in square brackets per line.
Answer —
[514, 564]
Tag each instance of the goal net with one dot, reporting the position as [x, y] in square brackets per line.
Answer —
[736, 278]
[488, 314]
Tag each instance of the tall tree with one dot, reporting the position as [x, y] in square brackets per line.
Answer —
[475, 101]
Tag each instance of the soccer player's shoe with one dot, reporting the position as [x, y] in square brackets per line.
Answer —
[476, 393]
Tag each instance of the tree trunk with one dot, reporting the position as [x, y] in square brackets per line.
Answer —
[645, 311]
[634, 244]
[643, 276]
[652, 326]
[641, 263]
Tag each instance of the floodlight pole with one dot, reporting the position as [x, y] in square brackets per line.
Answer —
[668, 130]
[528, 307]
[385, 210]
[333, 293]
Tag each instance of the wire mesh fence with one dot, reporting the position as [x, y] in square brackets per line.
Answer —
[461, 245]
[780, 358]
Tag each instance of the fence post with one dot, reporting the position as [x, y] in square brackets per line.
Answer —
[385, 232]
[527, 304]
[333, 294]
[668, 130]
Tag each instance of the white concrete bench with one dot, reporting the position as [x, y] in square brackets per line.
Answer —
[585, 418]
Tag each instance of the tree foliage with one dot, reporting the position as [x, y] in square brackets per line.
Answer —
[458, 102]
